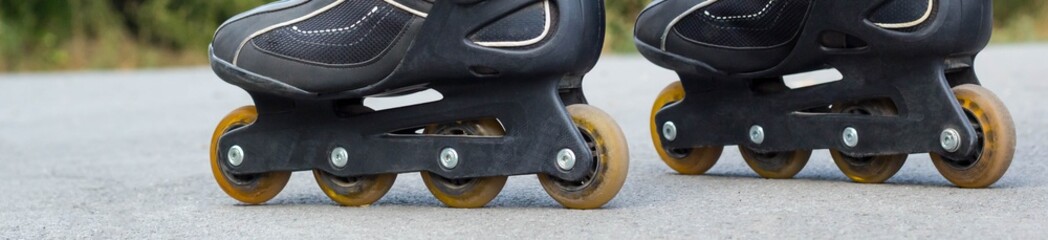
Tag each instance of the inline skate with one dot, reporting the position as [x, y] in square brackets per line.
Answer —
[907, 86]
[509, 74]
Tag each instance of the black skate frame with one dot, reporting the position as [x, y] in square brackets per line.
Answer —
[526, 89]
[915, 70]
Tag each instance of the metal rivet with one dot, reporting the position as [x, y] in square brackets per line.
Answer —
[339, 157]
[757, 134]
[235, 155]
[850, 137]
[950, 140]
[449, 158]
[669, 131]
[566, 159]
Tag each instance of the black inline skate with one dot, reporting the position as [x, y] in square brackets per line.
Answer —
[908, 86]
[509, 73]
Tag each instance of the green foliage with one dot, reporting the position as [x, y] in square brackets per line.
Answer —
[1020, 20]
[621, 16]
[1007, 11]
[60, 34]
[178, 24]
[77, 34]
[39, 29]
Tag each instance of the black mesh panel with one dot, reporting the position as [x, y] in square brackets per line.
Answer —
[745, 23]
[903, 11]
[352, 33]
[525, 24]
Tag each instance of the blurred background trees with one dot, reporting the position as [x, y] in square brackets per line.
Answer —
[124, 34]
[79, 34]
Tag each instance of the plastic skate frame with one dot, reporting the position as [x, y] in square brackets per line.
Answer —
[526, 89]
[916, 70]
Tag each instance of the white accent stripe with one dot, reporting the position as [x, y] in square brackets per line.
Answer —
[927, 14]
[270, 28]
[406, 8]
[545, 32]
[666, 33]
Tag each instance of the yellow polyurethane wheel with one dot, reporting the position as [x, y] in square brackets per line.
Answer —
[354, 191]
[776, 165]
[249, 189]
[470, 192]
[871, 169]
[996, 144]
[685, 161]
[610, 165]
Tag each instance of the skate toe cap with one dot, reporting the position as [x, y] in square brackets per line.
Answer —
[232, 35]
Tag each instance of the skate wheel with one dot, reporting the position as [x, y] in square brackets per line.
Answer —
[996, 144]
[776, 165]
[354, 191]
[249, 189]
[685, 161]
[469, 192]
[872, 169]
[610, 165]
[464, 193]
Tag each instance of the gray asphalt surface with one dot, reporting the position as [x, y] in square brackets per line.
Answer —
[124, 155]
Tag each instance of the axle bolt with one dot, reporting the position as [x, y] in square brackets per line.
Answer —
[950, 140]
[566, 159]
[757, 134]
[339, 157]
[235, 155]
[850, 137]
[449, 158]
[669, 131]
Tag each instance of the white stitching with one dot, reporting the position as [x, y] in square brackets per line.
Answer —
[360, 39]
[759, 13]
[332, 30]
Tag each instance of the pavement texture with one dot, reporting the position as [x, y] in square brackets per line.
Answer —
[125, 155]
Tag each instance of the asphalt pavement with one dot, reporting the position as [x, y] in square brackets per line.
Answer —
[124, 154]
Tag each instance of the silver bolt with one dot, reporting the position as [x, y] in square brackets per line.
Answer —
[757, 134]
[669, 131]
[235, 155]
[566, 159]
[950, 140]
[449, 158]
[850, 137]
[339, 157]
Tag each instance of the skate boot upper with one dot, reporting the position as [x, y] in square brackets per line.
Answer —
[303, 48]
[745, 36]
[318, 46]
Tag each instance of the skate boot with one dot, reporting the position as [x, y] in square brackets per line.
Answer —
[509, 74]
[907, 85]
